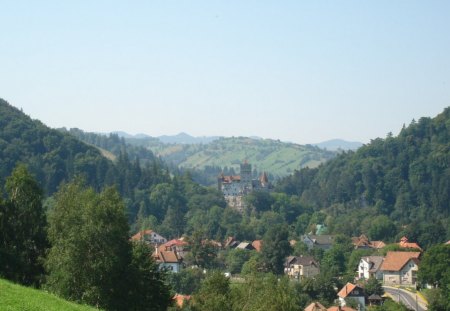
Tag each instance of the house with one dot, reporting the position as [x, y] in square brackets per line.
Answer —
[245, 245]
[406, 244]
[369, 267]
[231, 242]
[177, 245]
[400, 268]
[352, 291]
[362, 242]
[149, 236]
[257, 244]
[320, 241]
[169, 260]
[300, 267]
[315, 306]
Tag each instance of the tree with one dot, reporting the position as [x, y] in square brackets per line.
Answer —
[148, 289]
[382, 228]
[22, 229]
[236, 258]
[373, 286]
[90, 254]
[214, 294]
[435, 267]
[187, 281]
[275, 248]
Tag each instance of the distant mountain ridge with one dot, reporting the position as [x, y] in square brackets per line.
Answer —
[339, 144]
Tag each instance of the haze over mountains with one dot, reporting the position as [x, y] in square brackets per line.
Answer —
[184, 138]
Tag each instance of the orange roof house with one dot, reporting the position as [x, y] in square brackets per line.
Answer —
[406, 244]
[400, 268]
[149, 236]
[257, 244]
[363, 242]
[354, 292]
[315, 306]
[395, 261]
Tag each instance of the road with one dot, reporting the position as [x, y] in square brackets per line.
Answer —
[409, 299]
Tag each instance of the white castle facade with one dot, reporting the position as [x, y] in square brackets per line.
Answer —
[234, 188]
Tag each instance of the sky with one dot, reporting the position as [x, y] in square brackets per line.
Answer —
[299, 71]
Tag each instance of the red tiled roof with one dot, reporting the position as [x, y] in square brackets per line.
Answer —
[395, 261]
[168, 257]
[257, 244]
[406, 244]
[347, 289]
[175, 242]
[140, 235]
[377, 244]
[315, 306]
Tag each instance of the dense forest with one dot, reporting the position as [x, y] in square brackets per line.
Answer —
[406, 178]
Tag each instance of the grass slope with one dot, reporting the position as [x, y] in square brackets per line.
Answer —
[273, 156]
[16, 297]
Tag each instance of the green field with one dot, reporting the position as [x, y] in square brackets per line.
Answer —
[16, 297]
[272, 156]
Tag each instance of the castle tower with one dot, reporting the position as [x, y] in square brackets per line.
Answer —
[246, 173]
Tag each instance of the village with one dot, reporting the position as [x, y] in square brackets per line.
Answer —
[395, 269]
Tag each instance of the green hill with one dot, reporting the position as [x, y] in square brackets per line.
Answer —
[277, 158]
[16, 297]
[406, 178]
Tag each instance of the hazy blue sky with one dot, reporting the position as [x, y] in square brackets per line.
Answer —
[302, 71]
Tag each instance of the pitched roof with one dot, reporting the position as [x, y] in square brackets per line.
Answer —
[322, 239]
[257, 244]
[395, 261]
[377, 244]
[406, 244]
[375, 262]
[140, 235]
[347, 290]
[245, 245]
[315, 306]
[168, 257]
[175, 242]
[301, 260]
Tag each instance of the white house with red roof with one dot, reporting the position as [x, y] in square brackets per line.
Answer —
[352, 291]
[149, 236]
[400, 268]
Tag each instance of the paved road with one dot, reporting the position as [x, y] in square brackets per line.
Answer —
[409, 299]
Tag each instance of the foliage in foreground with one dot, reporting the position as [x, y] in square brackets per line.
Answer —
[91, 259]
[16, 297]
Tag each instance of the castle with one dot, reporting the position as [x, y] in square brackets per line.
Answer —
[234, 188]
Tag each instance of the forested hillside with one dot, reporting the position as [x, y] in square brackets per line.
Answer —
[406, 178]
[276, 158]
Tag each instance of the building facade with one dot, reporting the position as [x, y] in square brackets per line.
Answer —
[235, 187]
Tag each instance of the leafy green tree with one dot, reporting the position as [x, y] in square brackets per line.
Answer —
[236, 258]
[90, 254]
[275, 249]
[148, 289]
[214, 294]
[435, 266]
[23, 240]
[382, 228]
[373, 286]
[264, 292]
[187, 281]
